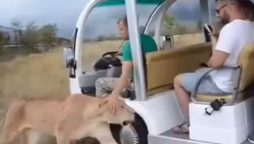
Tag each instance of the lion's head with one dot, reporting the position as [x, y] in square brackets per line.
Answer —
[120, 115]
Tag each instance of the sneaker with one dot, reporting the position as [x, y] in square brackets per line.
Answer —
[182, 128]
[251, 138]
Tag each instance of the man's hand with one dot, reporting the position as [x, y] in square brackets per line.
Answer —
[114, 102]
[202, 65]
[216, 35]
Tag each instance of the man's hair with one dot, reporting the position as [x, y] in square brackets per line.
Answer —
[248, 9]
[246, 6]
[232, 2]
[124, 19]
[240, 3]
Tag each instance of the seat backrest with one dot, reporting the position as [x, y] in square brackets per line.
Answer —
[163, 66]
[246, 61]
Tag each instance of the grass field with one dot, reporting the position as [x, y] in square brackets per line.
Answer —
[42, 75]
[45, 75]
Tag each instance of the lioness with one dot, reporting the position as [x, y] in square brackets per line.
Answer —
[68, 120]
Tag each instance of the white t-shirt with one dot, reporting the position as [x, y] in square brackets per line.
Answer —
[234, 36]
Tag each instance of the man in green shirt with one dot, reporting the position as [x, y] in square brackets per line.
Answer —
[117, 85]
[147, 44]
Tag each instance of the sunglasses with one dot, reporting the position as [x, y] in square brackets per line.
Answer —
[219, 9]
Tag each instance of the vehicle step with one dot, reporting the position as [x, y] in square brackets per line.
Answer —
[169, 137]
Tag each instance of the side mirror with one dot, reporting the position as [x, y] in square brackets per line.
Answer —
[68, 57]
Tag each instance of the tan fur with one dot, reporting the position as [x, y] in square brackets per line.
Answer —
[71, 119]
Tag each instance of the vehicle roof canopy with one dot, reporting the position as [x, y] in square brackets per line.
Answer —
[122, 2]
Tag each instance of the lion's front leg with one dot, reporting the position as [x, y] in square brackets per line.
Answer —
[61, 134]
[62, 129]
[103, 134]
[32, 137]
[61, 139]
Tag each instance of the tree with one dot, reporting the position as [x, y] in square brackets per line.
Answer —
[16, 25]
[47, 34]
[30, 36]
[170, 24]
[100, 38]
[3, 39]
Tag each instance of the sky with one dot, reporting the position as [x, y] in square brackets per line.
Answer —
[65, 14]
[62, 12]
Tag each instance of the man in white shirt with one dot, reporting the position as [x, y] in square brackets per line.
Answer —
[234, 36]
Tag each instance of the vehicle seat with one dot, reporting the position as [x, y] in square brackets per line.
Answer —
[163, 66]
[104, 67]
[243, 83]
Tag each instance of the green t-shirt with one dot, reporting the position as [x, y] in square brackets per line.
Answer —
[147, 44]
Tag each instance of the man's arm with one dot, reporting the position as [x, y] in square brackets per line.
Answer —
[124, 78]
[218, 59]
[225, 46]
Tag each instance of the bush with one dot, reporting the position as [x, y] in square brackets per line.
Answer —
[47, 34]
[34, 36]
[170, 24]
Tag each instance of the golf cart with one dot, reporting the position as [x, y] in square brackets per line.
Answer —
[226, 119]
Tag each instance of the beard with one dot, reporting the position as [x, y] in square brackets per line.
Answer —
[225, 19]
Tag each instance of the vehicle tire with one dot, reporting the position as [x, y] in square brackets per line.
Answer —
[135, 133]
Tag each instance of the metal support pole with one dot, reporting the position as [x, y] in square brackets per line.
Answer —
[204, 9]
[139, 77]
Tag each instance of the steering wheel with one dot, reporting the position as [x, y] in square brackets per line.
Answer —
[108, 58]
[111, 54]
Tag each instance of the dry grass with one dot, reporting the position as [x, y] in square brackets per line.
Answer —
[188, 39]
[43, 75]
[34, 75]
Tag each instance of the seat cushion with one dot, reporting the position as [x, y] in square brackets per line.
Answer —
[210, 98]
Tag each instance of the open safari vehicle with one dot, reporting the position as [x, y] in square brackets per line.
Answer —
[155, 102]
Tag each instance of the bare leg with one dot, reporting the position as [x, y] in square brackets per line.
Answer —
[103, 134]
[182, 96]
